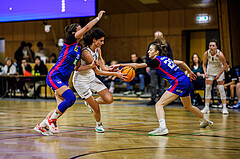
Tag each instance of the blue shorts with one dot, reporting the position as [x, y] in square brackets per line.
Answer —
[55, 80]
[181, 86]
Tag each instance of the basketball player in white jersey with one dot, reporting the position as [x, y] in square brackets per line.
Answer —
[214, 71]
[85, 82]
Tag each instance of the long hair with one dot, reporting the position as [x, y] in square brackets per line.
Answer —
[158, 47]
[70, 28]
[163, 43]
[193, 63]
[94, 33]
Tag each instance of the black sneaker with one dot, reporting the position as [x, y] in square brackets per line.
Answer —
[152, 102]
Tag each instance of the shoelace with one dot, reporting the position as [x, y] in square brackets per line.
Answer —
[54, 121]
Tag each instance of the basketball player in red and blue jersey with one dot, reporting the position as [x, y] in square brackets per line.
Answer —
[180, 85]
[59, 75]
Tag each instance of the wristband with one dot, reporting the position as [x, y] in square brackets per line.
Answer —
[98, 18]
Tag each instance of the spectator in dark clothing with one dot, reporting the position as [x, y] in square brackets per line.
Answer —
[25, 66]
[39, 69]
[24, 51]
[231, 80]
[157, 80]
[199, 83]
[53, 58]
[139, 76]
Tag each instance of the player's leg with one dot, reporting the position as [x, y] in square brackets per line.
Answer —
[188, 105]
[96, 113]
[166, 98]
[223, 96]
[69, 99]
[208, 89]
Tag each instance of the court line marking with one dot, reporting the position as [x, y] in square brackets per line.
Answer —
[140, 148]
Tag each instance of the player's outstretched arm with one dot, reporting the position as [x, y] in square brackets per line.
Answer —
[134, 65]
[87, 27]
[185, 66]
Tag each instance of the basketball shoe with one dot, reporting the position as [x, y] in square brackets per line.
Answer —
[205, 124]
[99, 128]
[42, 130]
[205, 110]
[158, 132]
[52, 125]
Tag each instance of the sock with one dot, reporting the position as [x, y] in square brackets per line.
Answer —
[207, 105]
[224, 106]
[162, 123]
[205, 119]
[99, 123]
[43, 123]
[55, 115]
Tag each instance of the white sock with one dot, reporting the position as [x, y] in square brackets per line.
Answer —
[99, 123]
[224, 106]
[43, 123]
[205, 119]
[207, 105]
[162, 123]
[54, 115]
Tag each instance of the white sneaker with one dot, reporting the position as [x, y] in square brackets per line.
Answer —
[205, 110]
[42, 130]
[225, 111]
[205, 124]
[158, 132]
[99, 128]
[52, 123]
[90, 109]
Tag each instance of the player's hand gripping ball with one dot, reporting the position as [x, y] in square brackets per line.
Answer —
[130, 73]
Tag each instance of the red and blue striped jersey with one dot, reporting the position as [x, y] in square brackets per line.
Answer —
[68, 58]
[166, 68]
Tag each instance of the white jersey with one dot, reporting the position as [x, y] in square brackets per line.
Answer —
[214, 65]
[87, 75]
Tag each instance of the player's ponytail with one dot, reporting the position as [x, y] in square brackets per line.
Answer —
[70, 28]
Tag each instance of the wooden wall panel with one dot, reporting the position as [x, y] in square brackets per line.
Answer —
[104, 24]
[131, 24]
[18, 31]
[145, 23]
[8, 31]
[176, 46]
[117, 25]
[161, 22]
[29, 30]
[177, 21]
[40, 33]
[1, 30]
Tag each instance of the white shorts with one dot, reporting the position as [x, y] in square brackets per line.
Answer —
[212, 77]
[85, 89]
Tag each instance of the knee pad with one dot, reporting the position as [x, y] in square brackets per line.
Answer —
[70, 99]
[222, 91]
[208, 91]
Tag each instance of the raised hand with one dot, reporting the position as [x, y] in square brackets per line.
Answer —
[100, 14]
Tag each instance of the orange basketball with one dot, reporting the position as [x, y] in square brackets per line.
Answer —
[130, 73]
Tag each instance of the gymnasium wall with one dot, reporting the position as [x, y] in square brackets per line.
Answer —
[126, 33]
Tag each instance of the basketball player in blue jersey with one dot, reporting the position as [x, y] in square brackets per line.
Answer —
[180, 85]
[59, 75]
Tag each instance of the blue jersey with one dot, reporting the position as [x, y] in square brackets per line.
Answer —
[68, 58]
[180, 83]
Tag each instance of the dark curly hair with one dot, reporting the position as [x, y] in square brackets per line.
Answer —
[94, 33]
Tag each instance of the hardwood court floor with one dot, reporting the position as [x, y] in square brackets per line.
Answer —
[126, 122]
